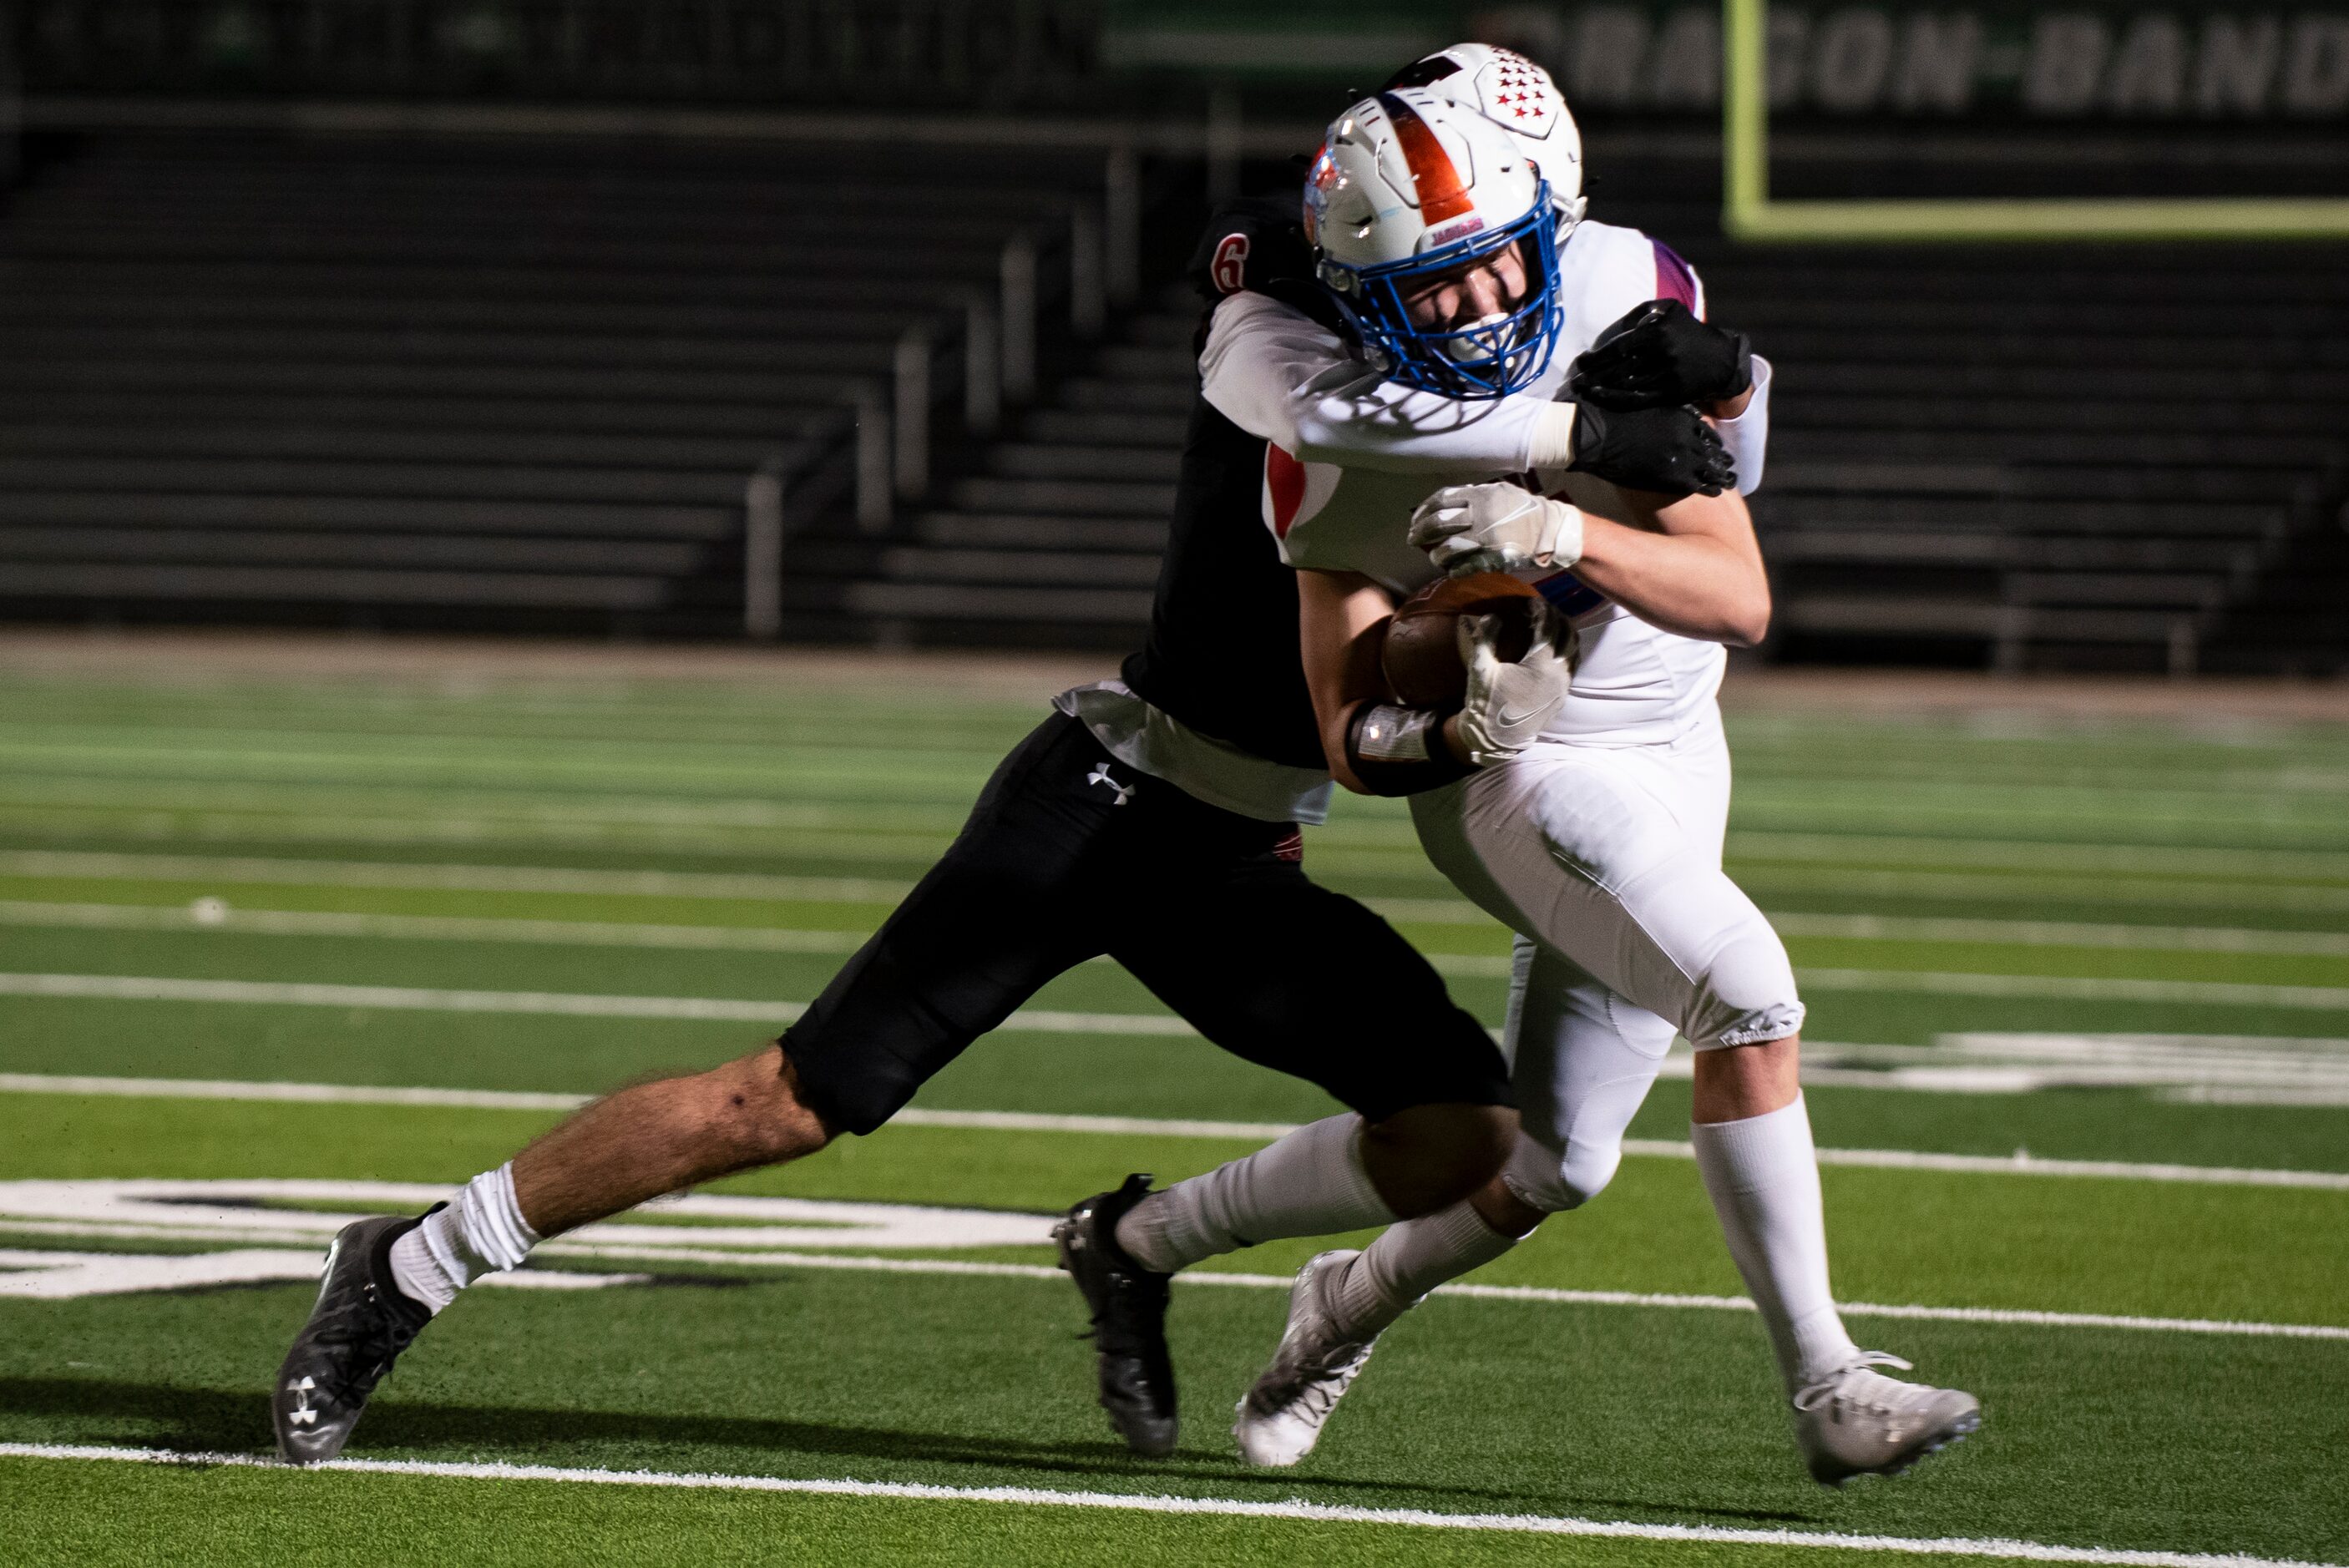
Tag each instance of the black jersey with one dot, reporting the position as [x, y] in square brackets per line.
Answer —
[1222, 652]
[1074, 851]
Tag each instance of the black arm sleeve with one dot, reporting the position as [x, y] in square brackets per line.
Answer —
[1401, 750]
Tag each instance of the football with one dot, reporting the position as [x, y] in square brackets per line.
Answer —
[1424, 657]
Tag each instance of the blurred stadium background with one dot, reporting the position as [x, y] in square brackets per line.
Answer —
[712, 367]
[858, 323]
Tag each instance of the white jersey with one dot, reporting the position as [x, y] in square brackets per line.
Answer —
[1349, 455]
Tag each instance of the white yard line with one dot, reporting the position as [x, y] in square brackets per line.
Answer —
[864, 1262]
[1139, 1127]
[427, 927]
[266, 993]
[2027, 855]
[2009, 889]
[860, 890]
[216, 915]
[1291, 1508]
[296, 872]
[2247, 1069]
[302, 1093]
[47, 1276]
[2028, 1165]
[568, 1004]
[1461, 965]
[1859, 851]
[2067, 934]
[2080, 988]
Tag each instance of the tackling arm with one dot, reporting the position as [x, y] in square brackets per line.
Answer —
[1340, 616]
[1663, 353]
[1276, 373]
[1341, 621]
[1375, 747]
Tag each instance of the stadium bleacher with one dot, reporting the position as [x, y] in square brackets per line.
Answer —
[409, 381]
[1056, 534]
[456, 382]
[2049, 454]
[2024, 459]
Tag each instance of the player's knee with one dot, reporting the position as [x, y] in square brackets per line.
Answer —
[1586, 1170]
[1431, 1156]
[1542, 1178]
[1748, 995]
[753, 1108]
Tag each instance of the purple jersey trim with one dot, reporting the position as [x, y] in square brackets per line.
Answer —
[1675, 279]
[1570, 593]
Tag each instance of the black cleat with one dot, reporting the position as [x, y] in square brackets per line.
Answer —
[1129, 1313]
[358, 1328]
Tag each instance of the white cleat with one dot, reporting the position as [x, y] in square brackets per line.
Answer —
[1280, 1419]
[1857, 1421]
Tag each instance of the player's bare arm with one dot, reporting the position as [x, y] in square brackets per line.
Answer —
[1376, 745]
[1687, 564]
[1340, 618]
[1690, 565]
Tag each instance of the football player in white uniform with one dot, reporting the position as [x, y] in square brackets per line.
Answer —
[1586, 812]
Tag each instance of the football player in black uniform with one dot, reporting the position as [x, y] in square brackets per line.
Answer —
[1153, 818]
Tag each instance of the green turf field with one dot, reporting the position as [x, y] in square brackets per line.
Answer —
[2079, 999]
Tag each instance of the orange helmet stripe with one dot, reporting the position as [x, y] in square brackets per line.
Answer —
[1441, 193]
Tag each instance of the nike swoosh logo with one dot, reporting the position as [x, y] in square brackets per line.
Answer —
[1506, 718]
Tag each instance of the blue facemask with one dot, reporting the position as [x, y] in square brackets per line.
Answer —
[1488, 359]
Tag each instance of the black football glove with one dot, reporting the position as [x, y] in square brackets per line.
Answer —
[1660, 355]
[1669, 451]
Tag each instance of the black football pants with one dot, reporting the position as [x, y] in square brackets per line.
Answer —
[1071, 853]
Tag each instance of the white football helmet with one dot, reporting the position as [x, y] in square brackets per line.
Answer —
[1410, 195]
[1519, 96]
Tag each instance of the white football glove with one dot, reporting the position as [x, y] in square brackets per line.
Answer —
[1503, 519]
[1508, 706]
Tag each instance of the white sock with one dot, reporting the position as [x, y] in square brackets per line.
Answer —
[481, 1232]
[1309, 1183]
[1411, 1259]
[1764, 1176]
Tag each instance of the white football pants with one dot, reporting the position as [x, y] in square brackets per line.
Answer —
[1606, 861]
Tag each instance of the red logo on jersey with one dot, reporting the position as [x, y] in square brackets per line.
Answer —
[1291, 848]
[1229, 269]
[1284, 487]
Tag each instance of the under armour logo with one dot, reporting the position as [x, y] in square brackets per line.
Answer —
[1100, 775]
[302, 1415]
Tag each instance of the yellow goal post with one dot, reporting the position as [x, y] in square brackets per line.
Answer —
[1749, 212]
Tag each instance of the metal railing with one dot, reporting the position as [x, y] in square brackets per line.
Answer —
[12, 103]
[780, 490]
[995, 338]
[762, 551]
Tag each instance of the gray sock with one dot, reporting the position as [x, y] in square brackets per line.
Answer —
[1310, 1182]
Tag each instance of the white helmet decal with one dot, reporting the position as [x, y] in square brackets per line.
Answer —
[1519, 96]
[1403, 173]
